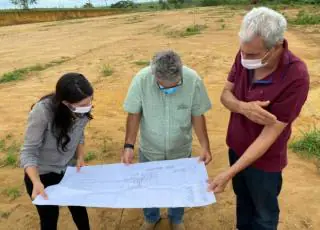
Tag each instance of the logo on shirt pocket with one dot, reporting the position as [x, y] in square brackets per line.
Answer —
[182, 107]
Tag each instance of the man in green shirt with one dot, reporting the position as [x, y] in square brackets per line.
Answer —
[166, 99]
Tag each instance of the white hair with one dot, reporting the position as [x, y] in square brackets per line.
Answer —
[167, 65]
[264, 22]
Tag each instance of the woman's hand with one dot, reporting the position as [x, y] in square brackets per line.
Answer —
[38, 189]
[80, 162]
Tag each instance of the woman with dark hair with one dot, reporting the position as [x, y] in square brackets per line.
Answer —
[53, 138]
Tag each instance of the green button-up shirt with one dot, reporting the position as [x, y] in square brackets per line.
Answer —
[166, 127]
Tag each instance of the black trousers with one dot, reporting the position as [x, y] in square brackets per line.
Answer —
[49, 214]
[257, 197]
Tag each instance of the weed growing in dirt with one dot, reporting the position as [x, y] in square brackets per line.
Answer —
[305, 18]
[142, 63]
[2, 145]
[189, 31]
[90, 156]
[15, 75]
[317, 163]
[4, 215]
[106, 71]
[308, 144]
[104, 146]
[223, 26]
[13, 193]
[20, 74]
[11, 157]
[194, 29]
[134, 19]
[220, 20]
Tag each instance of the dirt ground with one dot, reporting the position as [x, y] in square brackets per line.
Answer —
[119, 41]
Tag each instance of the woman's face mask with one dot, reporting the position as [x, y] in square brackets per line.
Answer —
[83, 107]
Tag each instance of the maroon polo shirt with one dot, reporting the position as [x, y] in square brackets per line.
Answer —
[286, 89]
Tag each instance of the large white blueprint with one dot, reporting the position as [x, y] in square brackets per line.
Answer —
[171, 183]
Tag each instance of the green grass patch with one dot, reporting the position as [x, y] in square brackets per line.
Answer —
[308, 145]
[193, 30]
[104, 146]
[11, 159]
[4, 215]
[222, 26]
[223, 2]
[20, 74]
[106, 71]
[2, 145]
[15, 75]
[189, 31]
[306, 18]
[90, 156]
[12, 193]
[220, 20]
[142, 63]
[134, 19]
[11, 153]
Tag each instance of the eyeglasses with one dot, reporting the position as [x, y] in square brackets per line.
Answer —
[162, 87]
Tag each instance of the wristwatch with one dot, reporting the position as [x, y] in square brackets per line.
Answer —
[128, 146]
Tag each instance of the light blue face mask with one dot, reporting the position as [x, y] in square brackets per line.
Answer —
[168, 90]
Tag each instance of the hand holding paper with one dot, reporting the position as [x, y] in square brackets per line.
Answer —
[174, 183]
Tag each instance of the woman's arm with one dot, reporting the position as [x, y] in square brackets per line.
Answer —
[36, 126]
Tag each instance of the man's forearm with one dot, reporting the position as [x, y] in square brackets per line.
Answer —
[133, 123]
[230, 101]
[200, 128]
[258, 148]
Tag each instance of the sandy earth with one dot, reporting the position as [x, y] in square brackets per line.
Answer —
[119, 41]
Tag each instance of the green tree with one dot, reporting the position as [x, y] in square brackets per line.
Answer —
[176, 3]
[88, 5]
[164, 5]
[24, 4]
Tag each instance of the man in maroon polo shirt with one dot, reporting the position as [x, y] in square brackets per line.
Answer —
[265, 91]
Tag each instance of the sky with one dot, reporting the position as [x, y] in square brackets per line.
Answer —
[6, 4]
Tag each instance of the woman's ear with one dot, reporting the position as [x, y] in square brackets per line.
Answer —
[67, 104]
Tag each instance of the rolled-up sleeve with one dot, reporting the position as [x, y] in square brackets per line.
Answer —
[201, 102]
[288, 107]
[36, 126]
[133, 102]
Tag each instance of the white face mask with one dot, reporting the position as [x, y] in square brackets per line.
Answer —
[252, 63]
[84, 109]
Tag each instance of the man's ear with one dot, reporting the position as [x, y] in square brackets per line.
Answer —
[279, 44]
